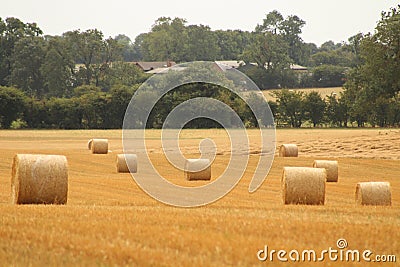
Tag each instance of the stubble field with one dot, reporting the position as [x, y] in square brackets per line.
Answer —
[110, 221]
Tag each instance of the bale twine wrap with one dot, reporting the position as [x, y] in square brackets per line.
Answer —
[123, 160]
[331, 167]
[374, 193]
[100, 146]
[39, 179]
[288, 150]
[89, 144]
[197, 169]
[303, 185]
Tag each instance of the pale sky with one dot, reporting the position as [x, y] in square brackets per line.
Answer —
[335, 20]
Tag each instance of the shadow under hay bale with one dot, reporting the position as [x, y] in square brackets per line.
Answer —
[374, 193]
[331, 167]
[39, 179]
[100, 146]
[123, 160]
[288, 150]
[303, 185]
[197, 169]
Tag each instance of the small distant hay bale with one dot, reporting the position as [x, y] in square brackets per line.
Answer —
[303, 185]
[100, 146]
[331, 167]
[374, 193]
[197, 169]
[39, 179]
[89, 144]
[123, 160]
[288, 150]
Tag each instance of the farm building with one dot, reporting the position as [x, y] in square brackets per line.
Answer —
[154, 66]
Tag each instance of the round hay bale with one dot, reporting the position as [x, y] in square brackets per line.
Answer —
[197, 169]
[302, 185]
[288, 150]
[89, 144]
[331, 167]
[374, 193]
[123, 160]
[100, 146]
[39, 179]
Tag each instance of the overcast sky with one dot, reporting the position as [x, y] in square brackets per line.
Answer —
[335, 20]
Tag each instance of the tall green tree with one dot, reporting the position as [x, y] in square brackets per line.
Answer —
[291, 107]
[375, 81]
[328, 76]
[290, 29]
[339, 57]
[58, 68]
[314, 107]
[232, 43]
[122, 74]
[272, 23]
[86, 48]
[11, 31]
[126, 46]
[139, 47]
[330, 46]
[166, 41]
[269, 52]
[94, 53]
[26, 61]
[202, 44]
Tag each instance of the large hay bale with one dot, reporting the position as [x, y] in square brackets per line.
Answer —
[373, 193]
[303, 185]
[123, 160]
[197, 169]
[288, 150]
[331, 167]
[89, 144]
[39, 179]
[100, 146]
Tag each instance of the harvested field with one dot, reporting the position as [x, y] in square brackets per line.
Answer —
[110, 221]
[324, 92]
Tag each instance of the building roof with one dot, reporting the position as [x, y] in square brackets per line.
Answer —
[297, 67]
[165, 70]
[230, 64]
[294, 67]
[148, 66]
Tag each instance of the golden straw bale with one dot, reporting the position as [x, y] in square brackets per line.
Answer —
[331, 167]
[123, 160]
[303, 185]
[39, 179]
[197, 169]
[373, 193]
[288, 150]
[100, 146]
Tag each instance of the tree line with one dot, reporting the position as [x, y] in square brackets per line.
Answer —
[52, 66]
[83, 80]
